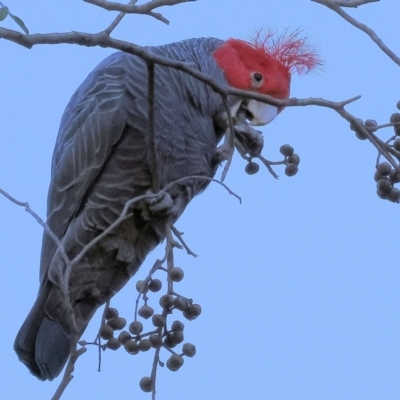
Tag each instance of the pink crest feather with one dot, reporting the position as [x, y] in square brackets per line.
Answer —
[289, 49]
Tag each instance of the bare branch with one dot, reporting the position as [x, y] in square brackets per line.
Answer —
[102, 39]
[179, 236]
[142, 9]
[40, 221]
[67, 377]
[335, 5]
[344, 3]
[114, 24]
[227, 149]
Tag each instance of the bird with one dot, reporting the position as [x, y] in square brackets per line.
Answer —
[102, 159]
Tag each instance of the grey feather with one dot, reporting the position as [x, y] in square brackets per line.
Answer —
[101, 160]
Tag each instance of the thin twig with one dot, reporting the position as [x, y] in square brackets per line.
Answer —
[229, 143]
[142, 9]
[154, 372]
[344, 3]
[335, 5]
[67, 377]
[268, 165]
[40, 221]
[98, 339]
[179, 236]
[114, 24]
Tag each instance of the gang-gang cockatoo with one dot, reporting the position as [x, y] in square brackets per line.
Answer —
[102, 159]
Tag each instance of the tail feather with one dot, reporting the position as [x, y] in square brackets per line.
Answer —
[40, 343]
[52, 349]
[44, 341]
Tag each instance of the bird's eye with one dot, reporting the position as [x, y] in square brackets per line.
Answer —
[257, 80]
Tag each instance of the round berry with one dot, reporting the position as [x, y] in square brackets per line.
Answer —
[155, 285]
[377, 176]
[361, 135]
[124, 336]
[294, 159]
[384, 168]
[394, 118]
[158, 320]
[136, 328]
[174, 362]
[291, 169]
[382, 195]
[394, 195]
[286, 150]
[252, 168]
[113, 344]
[166, 301]
[192, 312]
[146, 384]
[189, 349]
[384, 186]
[145, 311]
[155, 340]
[177, 337]
[371, 124]
[131, 347]
[106, 332]
[181, 303]
[144, 345]
[394, 176]
[111, 313]
[177, 326]
[396, 144]
[175, 274]
[117, 323]
[141, 286]
[168, 342]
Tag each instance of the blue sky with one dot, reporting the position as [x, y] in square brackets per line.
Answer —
[299, 285]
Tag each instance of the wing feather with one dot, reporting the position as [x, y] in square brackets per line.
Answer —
[92, 124]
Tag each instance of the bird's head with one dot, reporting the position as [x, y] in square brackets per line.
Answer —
[264, 65]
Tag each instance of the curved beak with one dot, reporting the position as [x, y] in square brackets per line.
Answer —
[262, 113]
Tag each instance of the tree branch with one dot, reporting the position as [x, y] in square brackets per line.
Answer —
[39, 220]
[335, 5]
[344, 3]
[103, 40]
[67, 377]
[130, 8]
[114, 24]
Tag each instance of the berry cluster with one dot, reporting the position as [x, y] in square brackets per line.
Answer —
[291, 160]
[134, 340]
[386, 174]
[249, 143]
[385, 178]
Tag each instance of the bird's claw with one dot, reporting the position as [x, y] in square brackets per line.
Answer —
[248, 140]
[162, 203]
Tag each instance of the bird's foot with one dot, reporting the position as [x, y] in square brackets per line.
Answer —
[158, 204]
[248, 140]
